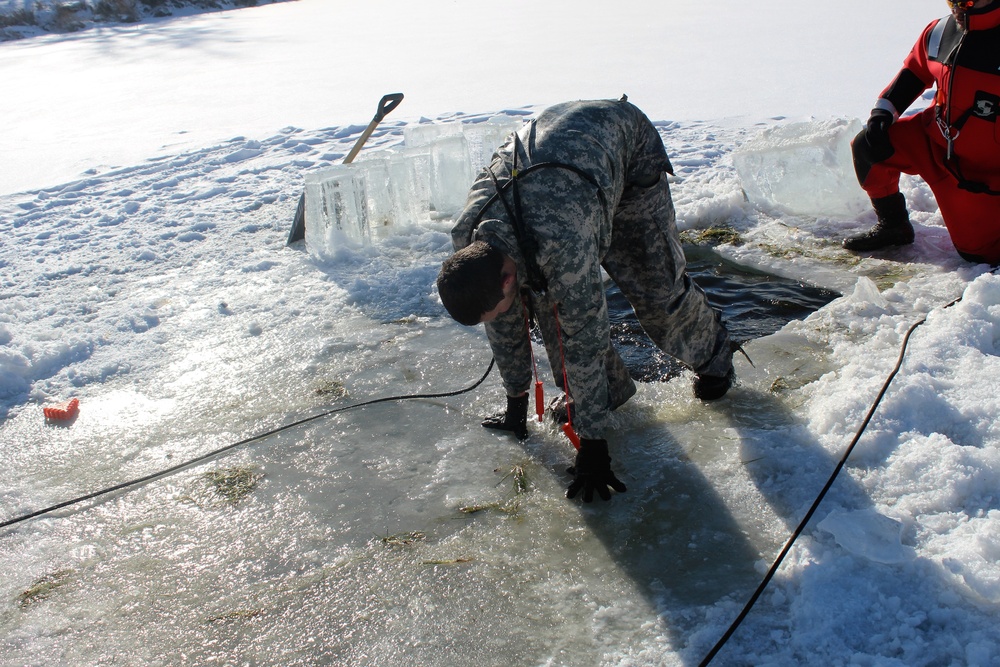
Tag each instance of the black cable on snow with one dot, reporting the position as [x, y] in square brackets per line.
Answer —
[822, 494]
[222, 450]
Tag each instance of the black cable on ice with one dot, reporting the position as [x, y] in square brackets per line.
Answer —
[222, 450]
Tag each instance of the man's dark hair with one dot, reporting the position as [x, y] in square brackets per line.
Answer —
[471, 282]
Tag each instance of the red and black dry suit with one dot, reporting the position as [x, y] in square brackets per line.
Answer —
[953, 145]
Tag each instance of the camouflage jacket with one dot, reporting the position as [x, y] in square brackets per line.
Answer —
[567, 211]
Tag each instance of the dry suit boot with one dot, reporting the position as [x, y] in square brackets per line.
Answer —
[892, 229]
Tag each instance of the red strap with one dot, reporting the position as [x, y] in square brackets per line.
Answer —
[539, 399]
[568, 426]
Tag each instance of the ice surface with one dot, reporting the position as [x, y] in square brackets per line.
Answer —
[804, 168]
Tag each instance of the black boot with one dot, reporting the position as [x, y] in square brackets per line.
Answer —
[713, 387]
[892, 229]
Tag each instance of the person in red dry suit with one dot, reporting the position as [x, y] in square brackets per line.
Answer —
[954, 145]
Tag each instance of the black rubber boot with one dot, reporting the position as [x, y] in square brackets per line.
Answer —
[713, 387]
[892, 229]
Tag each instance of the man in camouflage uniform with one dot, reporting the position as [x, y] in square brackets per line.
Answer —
[589, 191]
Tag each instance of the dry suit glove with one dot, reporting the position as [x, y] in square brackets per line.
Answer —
[592, 472]
[877, 133]
[514, 419]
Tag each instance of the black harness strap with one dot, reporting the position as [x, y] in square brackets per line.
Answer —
[525, 241]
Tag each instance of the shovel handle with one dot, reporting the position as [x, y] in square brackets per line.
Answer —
[387, 104]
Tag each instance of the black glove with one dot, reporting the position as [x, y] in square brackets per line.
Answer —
[877, 134]
[515, 419]
[593, 472]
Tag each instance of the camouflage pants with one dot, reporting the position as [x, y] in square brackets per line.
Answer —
[647, 263]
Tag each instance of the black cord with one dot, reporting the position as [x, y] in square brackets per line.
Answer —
[221, 450]
[812, 510]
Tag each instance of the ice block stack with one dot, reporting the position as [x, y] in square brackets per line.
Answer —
[428, 177]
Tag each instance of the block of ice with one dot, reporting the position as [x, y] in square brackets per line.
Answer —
[348, 204]
[486, 137]
[447, 157]
[408, 184]
[451, 175]
[336, 210]
[868, 534]
[379, 203]
[439, 154]
[804, 168]
[425, 134]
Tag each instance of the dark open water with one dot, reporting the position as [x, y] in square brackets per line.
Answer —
[753, 304]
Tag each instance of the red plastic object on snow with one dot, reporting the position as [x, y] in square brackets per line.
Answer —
[63, 411]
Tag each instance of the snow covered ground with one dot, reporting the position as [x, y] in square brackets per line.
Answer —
[150, 183]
